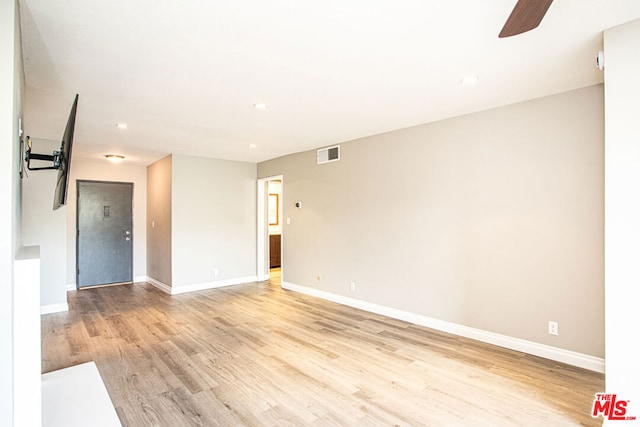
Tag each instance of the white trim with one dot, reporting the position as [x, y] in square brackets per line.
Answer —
[139, 279]
[158, 284]
[54, 308]
[71, 287]
[581, 360]
[175, 290]
[262, 229]
[261, 226]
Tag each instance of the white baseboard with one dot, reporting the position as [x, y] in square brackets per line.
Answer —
[54, 308]
[175, 290]
[158, 284]
[212, 285]
[581, 360]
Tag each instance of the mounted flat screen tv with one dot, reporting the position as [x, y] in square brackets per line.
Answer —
[61, 159]
[62, 185]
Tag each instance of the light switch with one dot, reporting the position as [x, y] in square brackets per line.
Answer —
[288, 220]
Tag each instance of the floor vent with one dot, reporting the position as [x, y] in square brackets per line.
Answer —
[329, 154]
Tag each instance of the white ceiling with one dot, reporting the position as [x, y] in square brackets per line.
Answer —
[184, 75]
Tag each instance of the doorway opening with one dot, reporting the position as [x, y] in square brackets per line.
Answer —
[270, 228]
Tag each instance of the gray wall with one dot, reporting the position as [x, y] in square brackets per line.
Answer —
[492, 220]
[11, 90]
[159, 192]
[213, 220]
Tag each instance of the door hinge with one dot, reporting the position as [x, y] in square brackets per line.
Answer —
[78, 272]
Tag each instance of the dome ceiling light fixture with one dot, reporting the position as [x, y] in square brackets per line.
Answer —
[115, 158]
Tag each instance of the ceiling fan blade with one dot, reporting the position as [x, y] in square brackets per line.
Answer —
[526, 15]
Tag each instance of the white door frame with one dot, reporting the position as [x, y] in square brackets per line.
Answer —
[262, 267]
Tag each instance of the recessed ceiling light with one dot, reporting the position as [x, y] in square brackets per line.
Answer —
[115, 158]
[252, 145]
[260, 106]
[121, 125]
[469, 80]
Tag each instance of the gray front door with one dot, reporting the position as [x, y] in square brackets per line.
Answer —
[104, 236]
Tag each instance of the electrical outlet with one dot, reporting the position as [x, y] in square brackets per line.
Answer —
[318, 277]
[353, 286]
[215, 273]
[553, 328]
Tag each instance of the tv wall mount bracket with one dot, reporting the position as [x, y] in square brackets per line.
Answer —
[55, 158]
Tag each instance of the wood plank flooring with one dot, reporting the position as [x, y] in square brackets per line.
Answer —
[256, 355]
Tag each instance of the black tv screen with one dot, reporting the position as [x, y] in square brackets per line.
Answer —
[60, 196]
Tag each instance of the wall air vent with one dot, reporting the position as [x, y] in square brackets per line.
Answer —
[329, 154]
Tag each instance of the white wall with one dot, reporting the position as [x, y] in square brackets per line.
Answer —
[46, 228]
[107, 171]
[11, 90]
[213, 222]
[622, 201]
[27, 341]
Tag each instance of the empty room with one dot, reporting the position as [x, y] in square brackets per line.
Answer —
[413, 213]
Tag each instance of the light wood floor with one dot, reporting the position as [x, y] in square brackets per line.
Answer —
[256, 355]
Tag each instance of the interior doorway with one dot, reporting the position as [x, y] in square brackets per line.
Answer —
[104, 235]
[270, 227]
